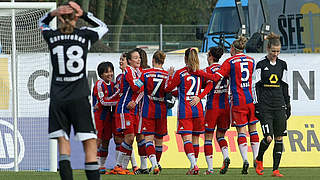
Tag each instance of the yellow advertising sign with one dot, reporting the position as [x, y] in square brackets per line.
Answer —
[302, 147]
[310, 22]
[4, 84]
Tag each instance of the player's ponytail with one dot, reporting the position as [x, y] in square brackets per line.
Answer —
[124, 55]
[67, 27]
[192, 59]
[240, 44]
[159, 57]
[273, 40]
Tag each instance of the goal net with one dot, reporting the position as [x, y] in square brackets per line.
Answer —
[24, 88]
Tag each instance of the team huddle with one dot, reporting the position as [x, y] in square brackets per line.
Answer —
[240, 92]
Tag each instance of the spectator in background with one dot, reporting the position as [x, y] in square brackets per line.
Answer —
[272, 102]
[69, 104]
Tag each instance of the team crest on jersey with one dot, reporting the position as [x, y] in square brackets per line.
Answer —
[181, 128]
[206, 125]
[100, 94]
[128, 123]
[144, 128]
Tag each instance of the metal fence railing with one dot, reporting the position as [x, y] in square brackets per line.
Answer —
[152, 37]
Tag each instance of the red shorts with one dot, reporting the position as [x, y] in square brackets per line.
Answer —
[104, 127]
[217, 117]
[117, 121]
[115, 130]
[243, 115]
[153, 126]
[191, 126]
[139, 123]
[127, 122]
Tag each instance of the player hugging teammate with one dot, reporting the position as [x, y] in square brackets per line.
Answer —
[136, 105]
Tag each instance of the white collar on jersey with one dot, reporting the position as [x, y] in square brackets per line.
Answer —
[158, 68]
[273, 63]
[107, 83]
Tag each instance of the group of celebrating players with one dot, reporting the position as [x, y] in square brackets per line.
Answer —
[238, 93]
[140, 98]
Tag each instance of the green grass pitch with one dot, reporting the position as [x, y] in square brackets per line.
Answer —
[174, 174]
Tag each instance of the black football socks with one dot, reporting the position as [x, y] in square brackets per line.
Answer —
[65, 169]
[92, 170]
[277, 152]
[264, 144]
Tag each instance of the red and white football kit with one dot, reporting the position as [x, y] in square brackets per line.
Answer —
[131, 86]
[102, 103]
[154, 110]
[190, 118]
[217, 111]
[239, 70]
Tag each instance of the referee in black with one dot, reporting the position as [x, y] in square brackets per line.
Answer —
[69, 104]
[272, 102]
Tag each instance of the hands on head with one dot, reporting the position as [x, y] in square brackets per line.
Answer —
[77, 8]
[68, 9]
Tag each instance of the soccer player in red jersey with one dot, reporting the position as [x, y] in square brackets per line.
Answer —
[154, 110]
[239, 69]
[190, 114]
[118, 134]
[102, 91]
[217, 113]
[126, 108]
[139, 136]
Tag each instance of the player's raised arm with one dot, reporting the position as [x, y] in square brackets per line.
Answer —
[222, 72]
[98, 26]
[172, 82]
[47, 18]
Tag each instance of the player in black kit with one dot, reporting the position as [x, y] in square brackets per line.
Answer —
[69, 104]
[272, 105]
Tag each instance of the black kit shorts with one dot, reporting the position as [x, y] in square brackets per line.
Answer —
[76, 112]
[274, 123]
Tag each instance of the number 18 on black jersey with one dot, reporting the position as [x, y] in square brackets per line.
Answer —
[68, 54]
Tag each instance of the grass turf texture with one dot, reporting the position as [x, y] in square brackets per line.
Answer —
[173, 174]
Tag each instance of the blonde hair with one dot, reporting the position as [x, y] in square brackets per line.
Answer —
[67, 27]
[192, 59]
[273, 40]
[240, 44]
[159, 57]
